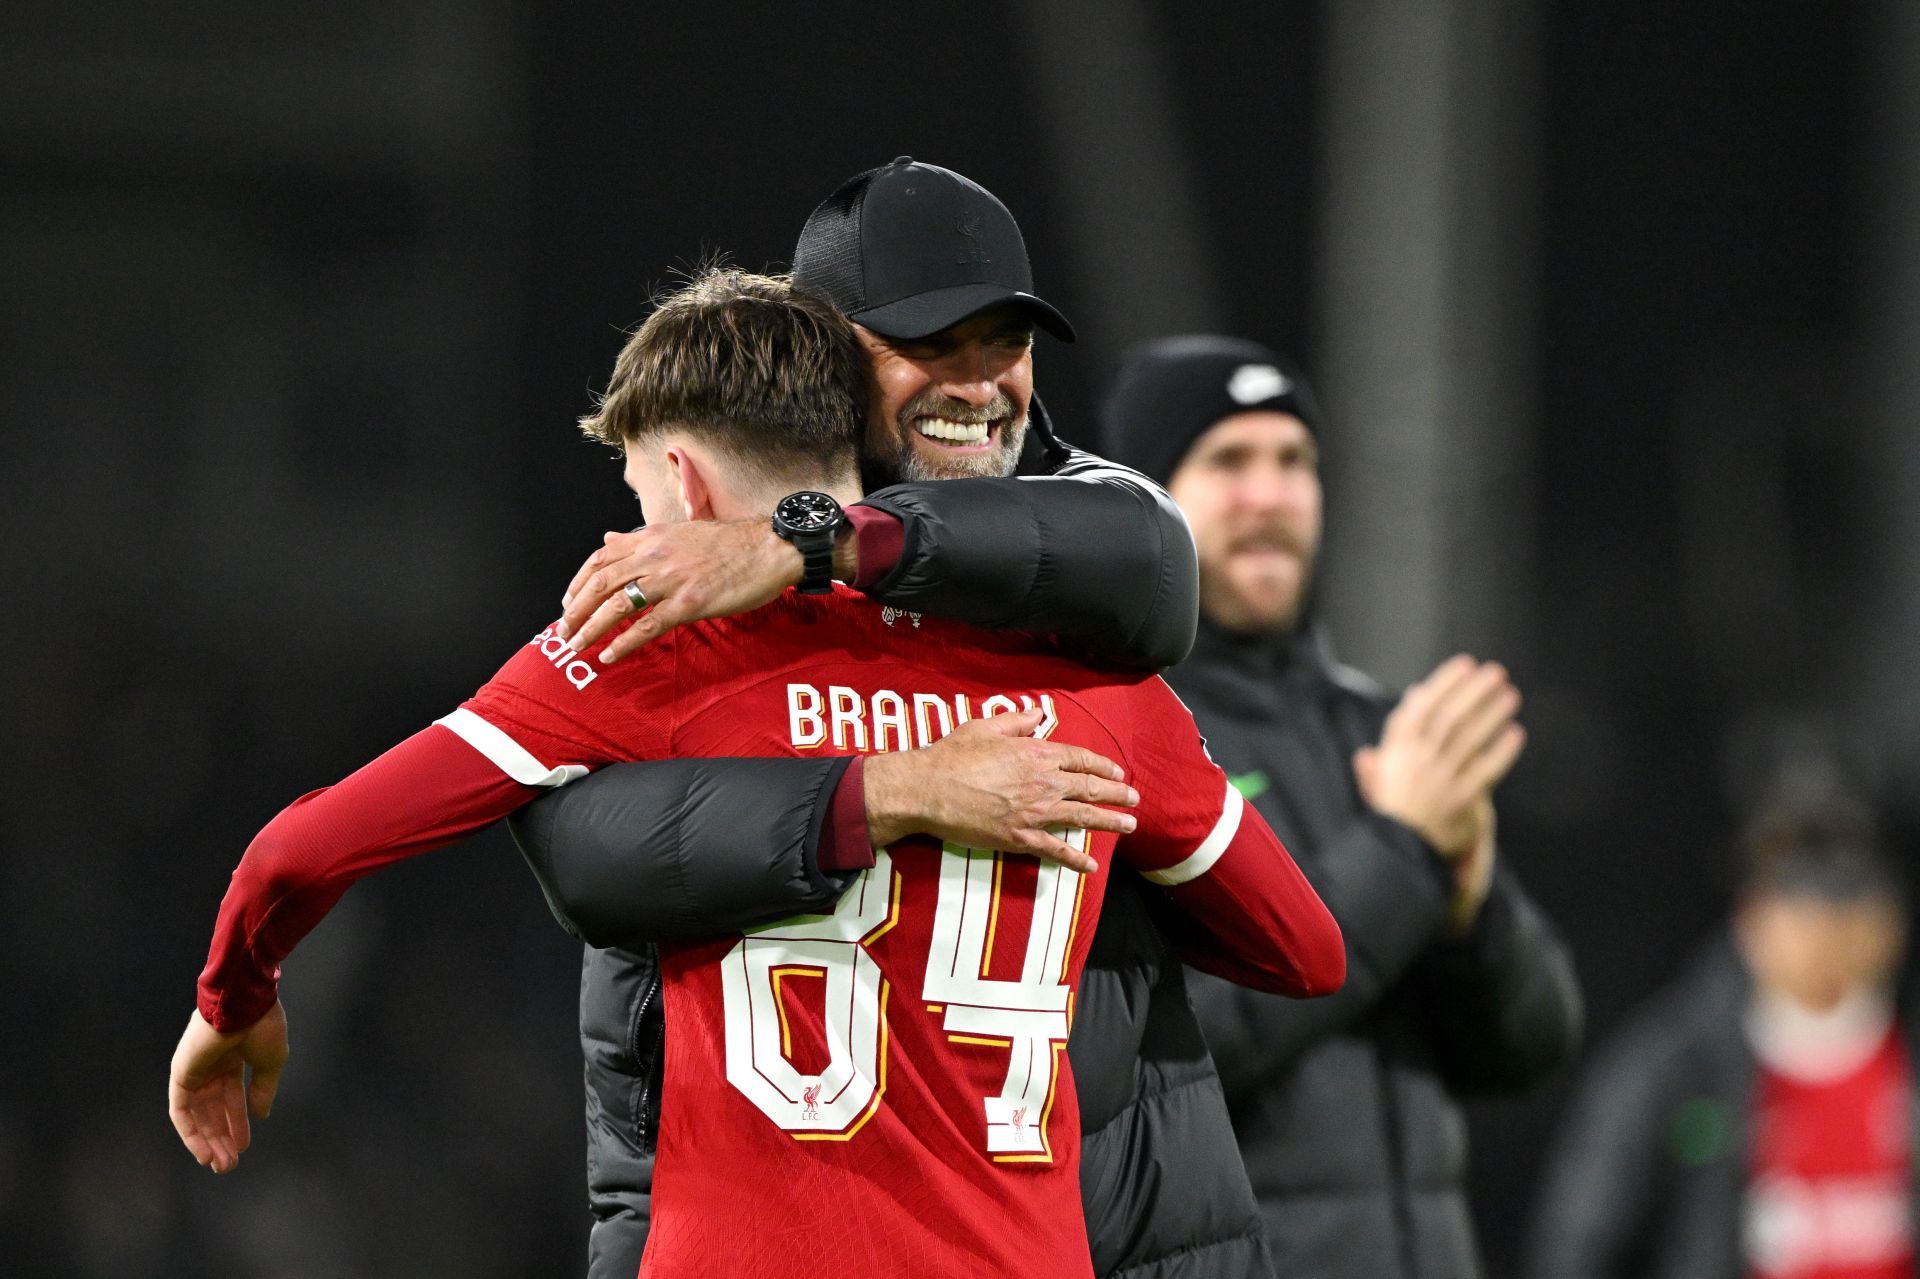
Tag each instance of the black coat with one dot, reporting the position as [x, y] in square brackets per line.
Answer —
[1648, 1176]
[649, 852]
[1346, 1108]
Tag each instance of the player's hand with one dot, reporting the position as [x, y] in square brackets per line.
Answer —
[688, 571]
[218, 1080]
[1445, 747]
[991, 784]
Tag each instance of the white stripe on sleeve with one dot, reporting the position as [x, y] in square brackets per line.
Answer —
[1201, 859]
[510, 756]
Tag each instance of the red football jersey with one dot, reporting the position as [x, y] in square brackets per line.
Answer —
[882, 1090]
[1832, 1170]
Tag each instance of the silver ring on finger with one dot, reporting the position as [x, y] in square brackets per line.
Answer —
[635, 596]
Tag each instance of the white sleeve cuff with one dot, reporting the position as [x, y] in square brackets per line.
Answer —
[1201, 859]
[508, 755]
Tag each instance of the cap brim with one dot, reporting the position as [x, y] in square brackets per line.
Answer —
[925, 314]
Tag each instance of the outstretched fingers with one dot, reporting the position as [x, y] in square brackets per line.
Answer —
[210, 1118]
[1078, 759]
[600, 579]
[191, 1125]
[1492, 765]
[1020, 723]
[1048, 846]
[1416, 710]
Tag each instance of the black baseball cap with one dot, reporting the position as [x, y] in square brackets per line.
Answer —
[909, 249]
[1171, 391]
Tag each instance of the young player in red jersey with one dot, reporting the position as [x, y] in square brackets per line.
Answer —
[900, 1054]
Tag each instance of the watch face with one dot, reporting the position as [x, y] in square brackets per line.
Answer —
[804, 512]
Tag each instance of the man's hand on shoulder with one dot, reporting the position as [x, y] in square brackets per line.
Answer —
[217, 1080]
[687, 571]
[990, 784]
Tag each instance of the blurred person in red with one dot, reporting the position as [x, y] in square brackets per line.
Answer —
[1347, 1110]
[1756, 1119]
[897, 1059]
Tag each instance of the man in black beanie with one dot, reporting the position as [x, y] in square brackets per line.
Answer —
[1346, 1109]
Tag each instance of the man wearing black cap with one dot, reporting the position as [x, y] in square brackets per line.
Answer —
[1345, 1111]
[1758, 1117]
[1000, 524]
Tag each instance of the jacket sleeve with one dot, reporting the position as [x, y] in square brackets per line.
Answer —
[1094, 553]
[682, 848]
[1385, 888]
[1506, 1008]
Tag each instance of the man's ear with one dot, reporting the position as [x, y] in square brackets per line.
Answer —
[690, 482]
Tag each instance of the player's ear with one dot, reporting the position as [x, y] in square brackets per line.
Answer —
[690, 483]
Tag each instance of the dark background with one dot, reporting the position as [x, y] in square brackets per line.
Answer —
[301, 305]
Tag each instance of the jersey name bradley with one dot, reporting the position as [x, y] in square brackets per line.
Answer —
[890, 721]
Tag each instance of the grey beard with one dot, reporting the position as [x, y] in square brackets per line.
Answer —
[908, 467]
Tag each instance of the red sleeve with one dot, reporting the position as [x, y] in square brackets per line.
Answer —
[546, 719]
[1257, 921]
[878, 538]
[428, 791]
[845, 841]
[565, 707]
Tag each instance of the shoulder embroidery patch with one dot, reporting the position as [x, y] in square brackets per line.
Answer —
[1249, 785]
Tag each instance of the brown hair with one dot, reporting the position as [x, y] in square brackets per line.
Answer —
[776, 379]
[1827, 847]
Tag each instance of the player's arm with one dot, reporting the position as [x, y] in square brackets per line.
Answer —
[1089, 551]
[424, 793]
[1245, 910]
[509, 743]
[690, 848]
[1251, 917]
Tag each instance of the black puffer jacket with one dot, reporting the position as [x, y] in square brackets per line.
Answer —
[655, 851]
[1345, 1107]
[1649, 1176]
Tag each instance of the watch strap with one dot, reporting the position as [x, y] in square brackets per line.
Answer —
[816, 551]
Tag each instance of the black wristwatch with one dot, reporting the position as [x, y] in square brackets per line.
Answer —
[810, 520]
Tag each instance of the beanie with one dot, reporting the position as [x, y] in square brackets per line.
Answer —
[1170, 391]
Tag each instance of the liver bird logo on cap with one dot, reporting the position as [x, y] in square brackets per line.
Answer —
[968, 225]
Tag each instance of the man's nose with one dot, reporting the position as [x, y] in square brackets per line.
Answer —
[970, 375]
[1263, 488]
